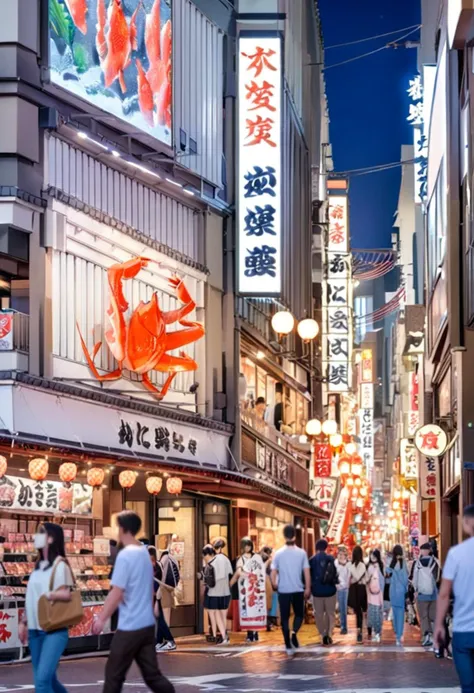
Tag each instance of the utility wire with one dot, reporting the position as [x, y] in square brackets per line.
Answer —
[371, 169]
[373, 38]
[365, 55]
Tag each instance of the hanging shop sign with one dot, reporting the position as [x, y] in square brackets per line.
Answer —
[322, 459]
[416, 118]
[252, 597]
[135, 345]
[367, 366]
[43, 414]
[431, 441]
[366, 396]
[338, 518]
[366, 417]
[428, 477]
[6, 331]
[94, 48]
[337, 307]
[413, 412]
[260, 165]
[272, 463]
[323, 491]
[408, 460]
[45, 496]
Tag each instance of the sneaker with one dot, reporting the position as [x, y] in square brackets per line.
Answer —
[330, 640]
[325, 640]
[399, 643]
[376, 638]
[290, 652]
[294, 641]
[223, 641]
[168, 647]
[344, 631]
[427, 640]
[160, 646]
[359, 637]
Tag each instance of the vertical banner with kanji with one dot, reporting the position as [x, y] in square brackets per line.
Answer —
[413, 412]
[259, 168]
[322, 459]
[428, 477]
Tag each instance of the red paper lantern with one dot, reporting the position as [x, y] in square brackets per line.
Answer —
[67, 472]
[127, 478]
[3, 466]
[174, 485]
[154, 485]
[38, 469]
[95, 476]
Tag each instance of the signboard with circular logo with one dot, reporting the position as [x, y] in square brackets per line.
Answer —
[431, 440]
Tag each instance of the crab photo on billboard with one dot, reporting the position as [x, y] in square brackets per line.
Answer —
[117, 55]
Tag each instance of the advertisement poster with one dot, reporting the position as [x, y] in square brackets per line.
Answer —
[323, 490]
[117, 55]
[322, 459]
[252, 594]
[428, 477]
[45, 496]
[8, 629]
[6, 331]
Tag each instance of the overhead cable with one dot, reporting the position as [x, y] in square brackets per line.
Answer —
[377, 50]
[372, 38]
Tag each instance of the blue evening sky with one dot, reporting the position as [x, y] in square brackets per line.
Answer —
[368, 105]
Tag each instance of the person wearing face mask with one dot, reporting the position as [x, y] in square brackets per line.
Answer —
[249, 569]
[375, 588]
[46, 648]
[344, 580]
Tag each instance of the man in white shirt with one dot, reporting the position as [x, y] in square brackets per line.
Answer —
[457, 579]
[132, 593]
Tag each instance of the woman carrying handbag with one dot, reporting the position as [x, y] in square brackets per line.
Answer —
[358, 590]
[51, 608]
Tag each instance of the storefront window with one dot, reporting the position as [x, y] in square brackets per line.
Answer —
[176, 535]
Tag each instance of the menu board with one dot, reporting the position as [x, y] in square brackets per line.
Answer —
[45, 496]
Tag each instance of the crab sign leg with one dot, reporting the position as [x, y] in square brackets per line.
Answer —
[192, 332]
[173, 365]
[156, 391]
[182, 295]
[113, 375]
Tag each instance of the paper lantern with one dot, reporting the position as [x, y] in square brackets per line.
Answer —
[154, 485]
[344, 465]
[67, 472]
[3, 466]
[95, 476]
[174, 485]
[38, 469]
[283, 322]
[127, 478]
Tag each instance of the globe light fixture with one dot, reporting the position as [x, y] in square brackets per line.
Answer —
[357, 466]
[313, 427]
[329, 427]
[283, 322]
[308, 329]
[335, 441]
[350, 448]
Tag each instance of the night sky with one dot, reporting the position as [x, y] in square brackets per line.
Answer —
[368, 105]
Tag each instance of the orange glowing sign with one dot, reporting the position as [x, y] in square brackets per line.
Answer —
[367, 367]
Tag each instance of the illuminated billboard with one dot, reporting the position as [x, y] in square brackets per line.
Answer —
[117, 55]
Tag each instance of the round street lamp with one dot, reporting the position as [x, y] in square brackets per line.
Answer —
[313, 427]
[335, 441]
[329, 427]
[350, 448]
[308, 329]
[283, 322]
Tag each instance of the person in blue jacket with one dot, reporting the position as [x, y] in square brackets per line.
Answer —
[398, 573]
[323, 588]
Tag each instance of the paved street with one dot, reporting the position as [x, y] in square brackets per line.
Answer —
[264, 668]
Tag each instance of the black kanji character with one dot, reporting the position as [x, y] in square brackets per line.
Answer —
[261, 261]
[141, 433]
[260, 221]
[126, 434]
[39, 494]
[338, 321]
[178, 442]
[51, 496]
[339, 347]
[338, 375]
[337, 264]
[25, 495]
[192, 446]
[162, 439]
[336, 294]
[261, 182]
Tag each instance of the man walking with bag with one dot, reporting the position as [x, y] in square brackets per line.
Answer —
[132, 592]
[425, 577]
[324, 590]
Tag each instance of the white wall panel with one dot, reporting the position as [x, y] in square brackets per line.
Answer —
[198, 89]
[154, 214]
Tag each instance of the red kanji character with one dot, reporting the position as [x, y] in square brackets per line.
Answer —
[430, 440]
[260, 96]
[260, 60]
[261, 131]
[337, 212]
[5, 634]
[337, 234]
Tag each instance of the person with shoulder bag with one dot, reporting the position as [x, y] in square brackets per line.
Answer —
[164, 637]
[51, 608]
[357, 589]
[398, 572]
[324, 581]
[425, 576]
[375, 590]
[171, 580]
[207, 576]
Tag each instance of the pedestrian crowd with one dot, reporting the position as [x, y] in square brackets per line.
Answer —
[266, 586]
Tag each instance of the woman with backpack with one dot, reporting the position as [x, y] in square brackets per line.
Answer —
[324, 590]
[208, 579]
[357, 589]
[171, 578]
[217, 598]
[164, 638]
[375, 589]
[425, 576]
[398, 573]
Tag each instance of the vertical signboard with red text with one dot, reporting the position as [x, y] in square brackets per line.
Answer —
[337, 296]
[259, 166]
[366, 410]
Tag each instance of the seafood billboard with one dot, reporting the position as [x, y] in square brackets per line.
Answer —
[116, 54]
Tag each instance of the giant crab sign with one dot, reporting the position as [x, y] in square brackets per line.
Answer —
[141, 343]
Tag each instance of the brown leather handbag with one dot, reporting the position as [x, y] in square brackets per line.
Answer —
[56, 615]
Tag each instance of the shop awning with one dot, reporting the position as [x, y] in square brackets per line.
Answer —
[200, 478]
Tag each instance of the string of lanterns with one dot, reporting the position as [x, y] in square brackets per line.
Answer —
[38, 469]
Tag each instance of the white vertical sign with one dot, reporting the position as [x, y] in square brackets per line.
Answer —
[260, 169]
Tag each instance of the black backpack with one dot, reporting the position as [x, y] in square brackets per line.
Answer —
[172, 576]
[328, 572]
[209, 576]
